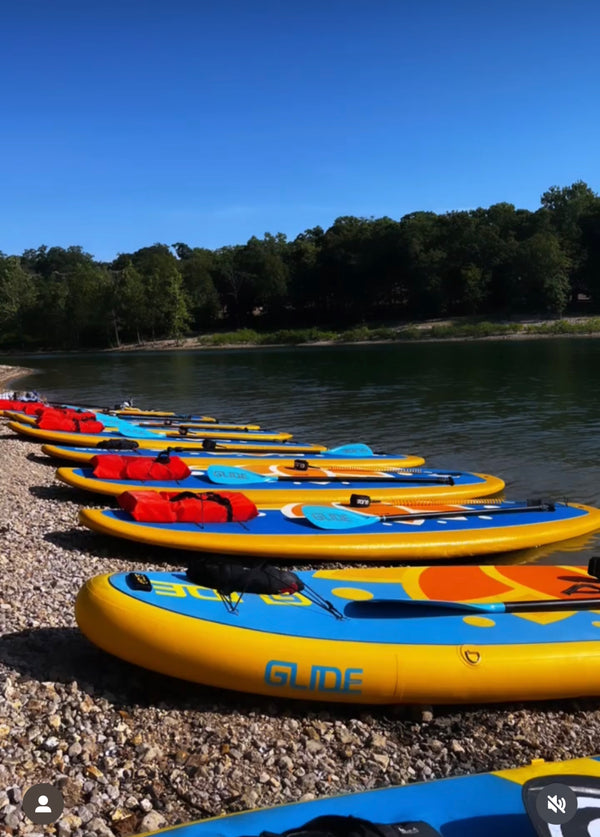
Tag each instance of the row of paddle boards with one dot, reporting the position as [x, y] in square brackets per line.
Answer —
[356, 635]
[450, 634]
[385, 635]
[348, 503]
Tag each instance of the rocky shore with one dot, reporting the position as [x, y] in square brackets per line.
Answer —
[133, 751]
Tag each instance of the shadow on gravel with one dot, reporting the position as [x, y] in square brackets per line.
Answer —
[65, 494]
[64, 655]
[79, 539]
[42, 459]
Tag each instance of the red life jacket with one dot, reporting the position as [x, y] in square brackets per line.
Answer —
[145, 468]
[142, 468]
[10, 404]
[33, 409]
[175, 507]
[55, 420]
[108, 466]
[65, 412]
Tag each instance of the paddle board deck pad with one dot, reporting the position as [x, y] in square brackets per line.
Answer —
[134, 413]
[149, 426]
[246, 441]
[128, 428]
[276, 484]
[426, 531]
[187, 424]
[170, 426]
[480, 805]
[129, 431]
[355, 455]
[391, 635]
[163, 417]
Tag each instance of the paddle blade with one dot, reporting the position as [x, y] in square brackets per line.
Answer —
[331, 517]
[357, 449]
[125, 428]
[222, 475]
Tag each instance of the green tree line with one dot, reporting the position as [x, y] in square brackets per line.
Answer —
[494, 262]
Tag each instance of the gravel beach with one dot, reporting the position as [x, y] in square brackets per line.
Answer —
[134, 751]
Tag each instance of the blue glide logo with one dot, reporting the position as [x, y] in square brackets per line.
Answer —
[313, 678]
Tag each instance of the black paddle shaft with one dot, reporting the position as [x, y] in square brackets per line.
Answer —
[470, 512]
[372, 478]
[552, 604]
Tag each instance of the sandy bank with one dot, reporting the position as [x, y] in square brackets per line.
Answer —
[12, 373]
[426, 329]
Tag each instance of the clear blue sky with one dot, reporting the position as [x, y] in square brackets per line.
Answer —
[128, 122]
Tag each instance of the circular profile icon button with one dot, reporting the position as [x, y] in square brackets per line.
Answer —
[43, 804]
[556, 804]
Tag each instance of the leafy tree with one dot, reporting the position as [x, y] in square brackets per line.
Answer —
[463, 277]
[197, 268]
[46, 261]
[49, 320]
[263, 264]
[86, 313]
[344, 269]
[567, 207]
[423, 257]
[495, 261]
[17, 299]
[165, 307]
[129, 303]
[588, 279]
[303, 258]
[235, 286]
[381, 275]
[542, 277]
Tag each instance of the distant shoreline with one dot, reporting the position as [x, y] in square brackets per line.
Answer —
[184, 346]
[431, 331]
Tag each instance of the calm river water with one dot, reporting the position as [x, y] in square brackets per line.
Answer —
[525, 410]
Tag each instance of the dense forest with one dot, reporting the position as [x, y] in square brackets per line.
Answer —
[496, 262]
